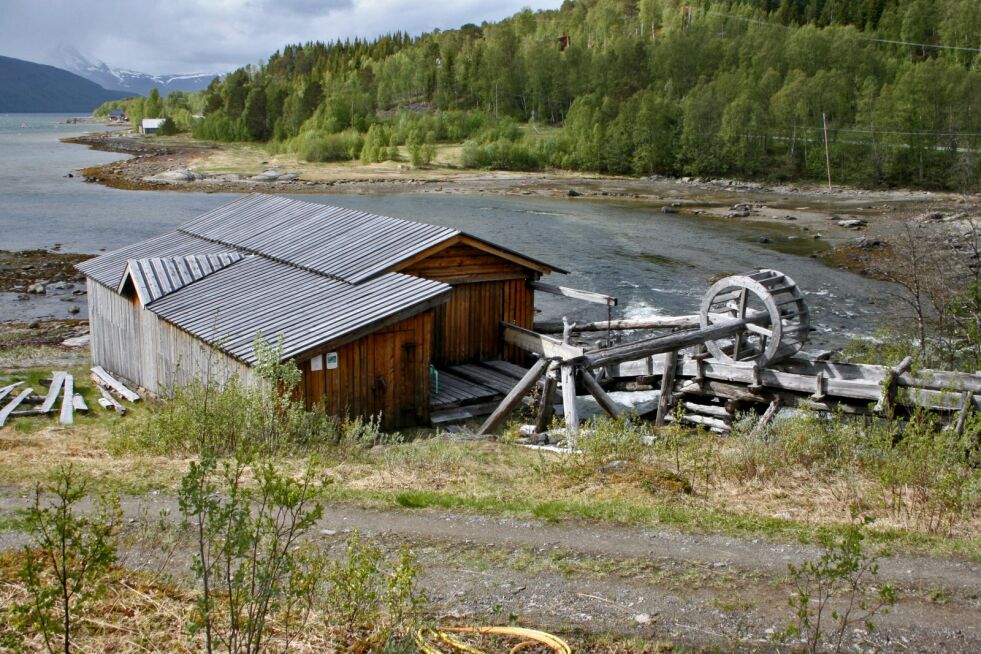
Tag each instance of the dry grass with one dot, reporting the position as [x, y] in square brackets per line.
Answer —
[493, 476]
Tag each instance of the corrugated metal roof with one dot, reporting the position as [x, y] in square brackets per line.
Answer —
[108, 268]
[322, 275]
[156, 277]
[340, 243]
[258, 295]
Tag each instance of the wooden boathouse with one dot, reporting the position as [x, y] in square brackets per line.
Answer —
[371, 308]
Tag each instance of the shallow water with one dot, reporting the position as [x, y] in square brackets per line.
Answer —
[655, 263]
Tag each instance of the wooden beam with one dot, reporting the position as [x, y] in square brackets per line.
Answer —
[514, 397]
[671, 342]
[570, 412]
[660, 322]
[611, 408]
[7, 410]
[667, 387]
[103, 378]
[586, 296]
[546, 346]
[707, 409]
[713, 423]
[67, 416]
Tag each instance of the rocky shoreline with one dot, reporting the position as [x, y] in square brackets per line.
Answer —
[851, 223]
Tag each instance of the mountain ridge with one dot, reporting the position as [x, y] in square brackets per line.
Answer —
[29, 87]
[68, 58]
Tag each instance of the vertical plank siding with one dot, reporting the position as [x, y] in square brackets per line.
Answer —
[140, 347]
[385, 373]
[486, 290]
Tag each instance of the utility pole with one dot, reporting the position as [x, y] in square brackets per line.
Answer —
[827, 155]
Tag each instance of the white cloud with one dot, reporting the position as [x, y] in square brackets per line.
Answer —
[170, 36]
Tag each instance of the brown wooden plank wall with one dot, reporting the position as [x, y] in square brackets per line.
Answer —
[465, 263]
[486, 290]
[386, 372]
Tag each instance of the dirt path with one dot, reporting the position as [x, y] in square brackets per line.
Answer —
[697, 590]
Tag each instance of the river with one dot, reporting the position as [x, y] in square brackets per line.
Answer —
[654, 263]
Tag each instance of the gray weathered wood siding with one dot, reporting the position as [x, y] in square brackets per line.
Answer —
[136, 344]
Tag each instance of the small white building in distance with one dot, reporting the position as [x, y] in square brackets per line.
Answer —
[151, 125]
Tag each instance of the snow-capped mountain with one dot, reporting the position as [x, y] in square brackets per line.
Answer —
[68, 58]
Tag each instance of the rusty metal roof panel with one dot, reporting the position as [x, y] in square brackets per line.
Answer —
[157, 276]
[258, 295]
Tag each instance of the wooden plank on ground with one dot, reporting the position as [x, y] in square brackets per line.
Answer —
[7, 410]
[68, 402]
[57, 381]
[109, 402]
[111, 382]
[587, 296]
[79, 403]
[5, 391]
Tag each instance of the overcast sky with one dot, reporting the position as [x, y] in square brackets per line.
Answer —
[176, 36]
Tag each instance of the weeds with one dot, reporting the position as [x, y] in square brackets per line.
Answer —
[249, 552]
[68, 556]
[836, 592]
[371, 598]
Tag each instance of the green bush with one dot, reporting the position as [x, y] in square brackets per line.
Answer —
[316, 146]
[503, 154]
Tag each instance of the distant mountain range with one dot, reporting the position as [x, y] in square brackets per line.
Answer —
[26, 87]
[120, 79]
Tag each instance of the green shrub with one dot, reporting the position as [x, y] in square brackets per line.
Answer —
[503, 154]
[316, 146]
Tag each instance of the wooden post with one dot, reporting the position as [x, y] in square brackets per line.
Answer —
[667, 386]
[827, 153]
[741, 313]
[604, 400]
[887, 398]
[966, 404]
[569, 399]
[514, 397]
[547, 408]
[768, 415]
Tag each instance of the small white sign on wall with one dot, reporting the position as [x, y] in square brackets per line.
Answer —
[331, 360]
[317, 363]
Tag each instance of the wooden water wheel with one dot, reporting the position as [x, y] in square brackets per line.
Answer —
[751, 294]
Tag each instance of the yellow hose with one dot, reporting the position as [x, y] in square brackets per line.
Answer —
[426, 637]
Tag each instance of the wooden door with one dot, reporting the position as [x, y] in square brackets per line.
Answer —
[396, 374]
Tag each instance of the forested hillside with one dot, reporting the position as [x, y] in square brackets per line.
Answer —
[736, 88]
[27, 87]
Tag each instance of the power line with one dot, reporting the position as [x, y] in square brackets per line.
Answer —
[862, 38]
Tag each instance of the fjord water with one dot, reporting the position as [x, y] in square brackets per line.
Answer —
[653, 262]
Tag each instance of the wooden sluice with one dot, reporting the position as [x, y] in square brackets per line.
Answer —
[743, 351]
